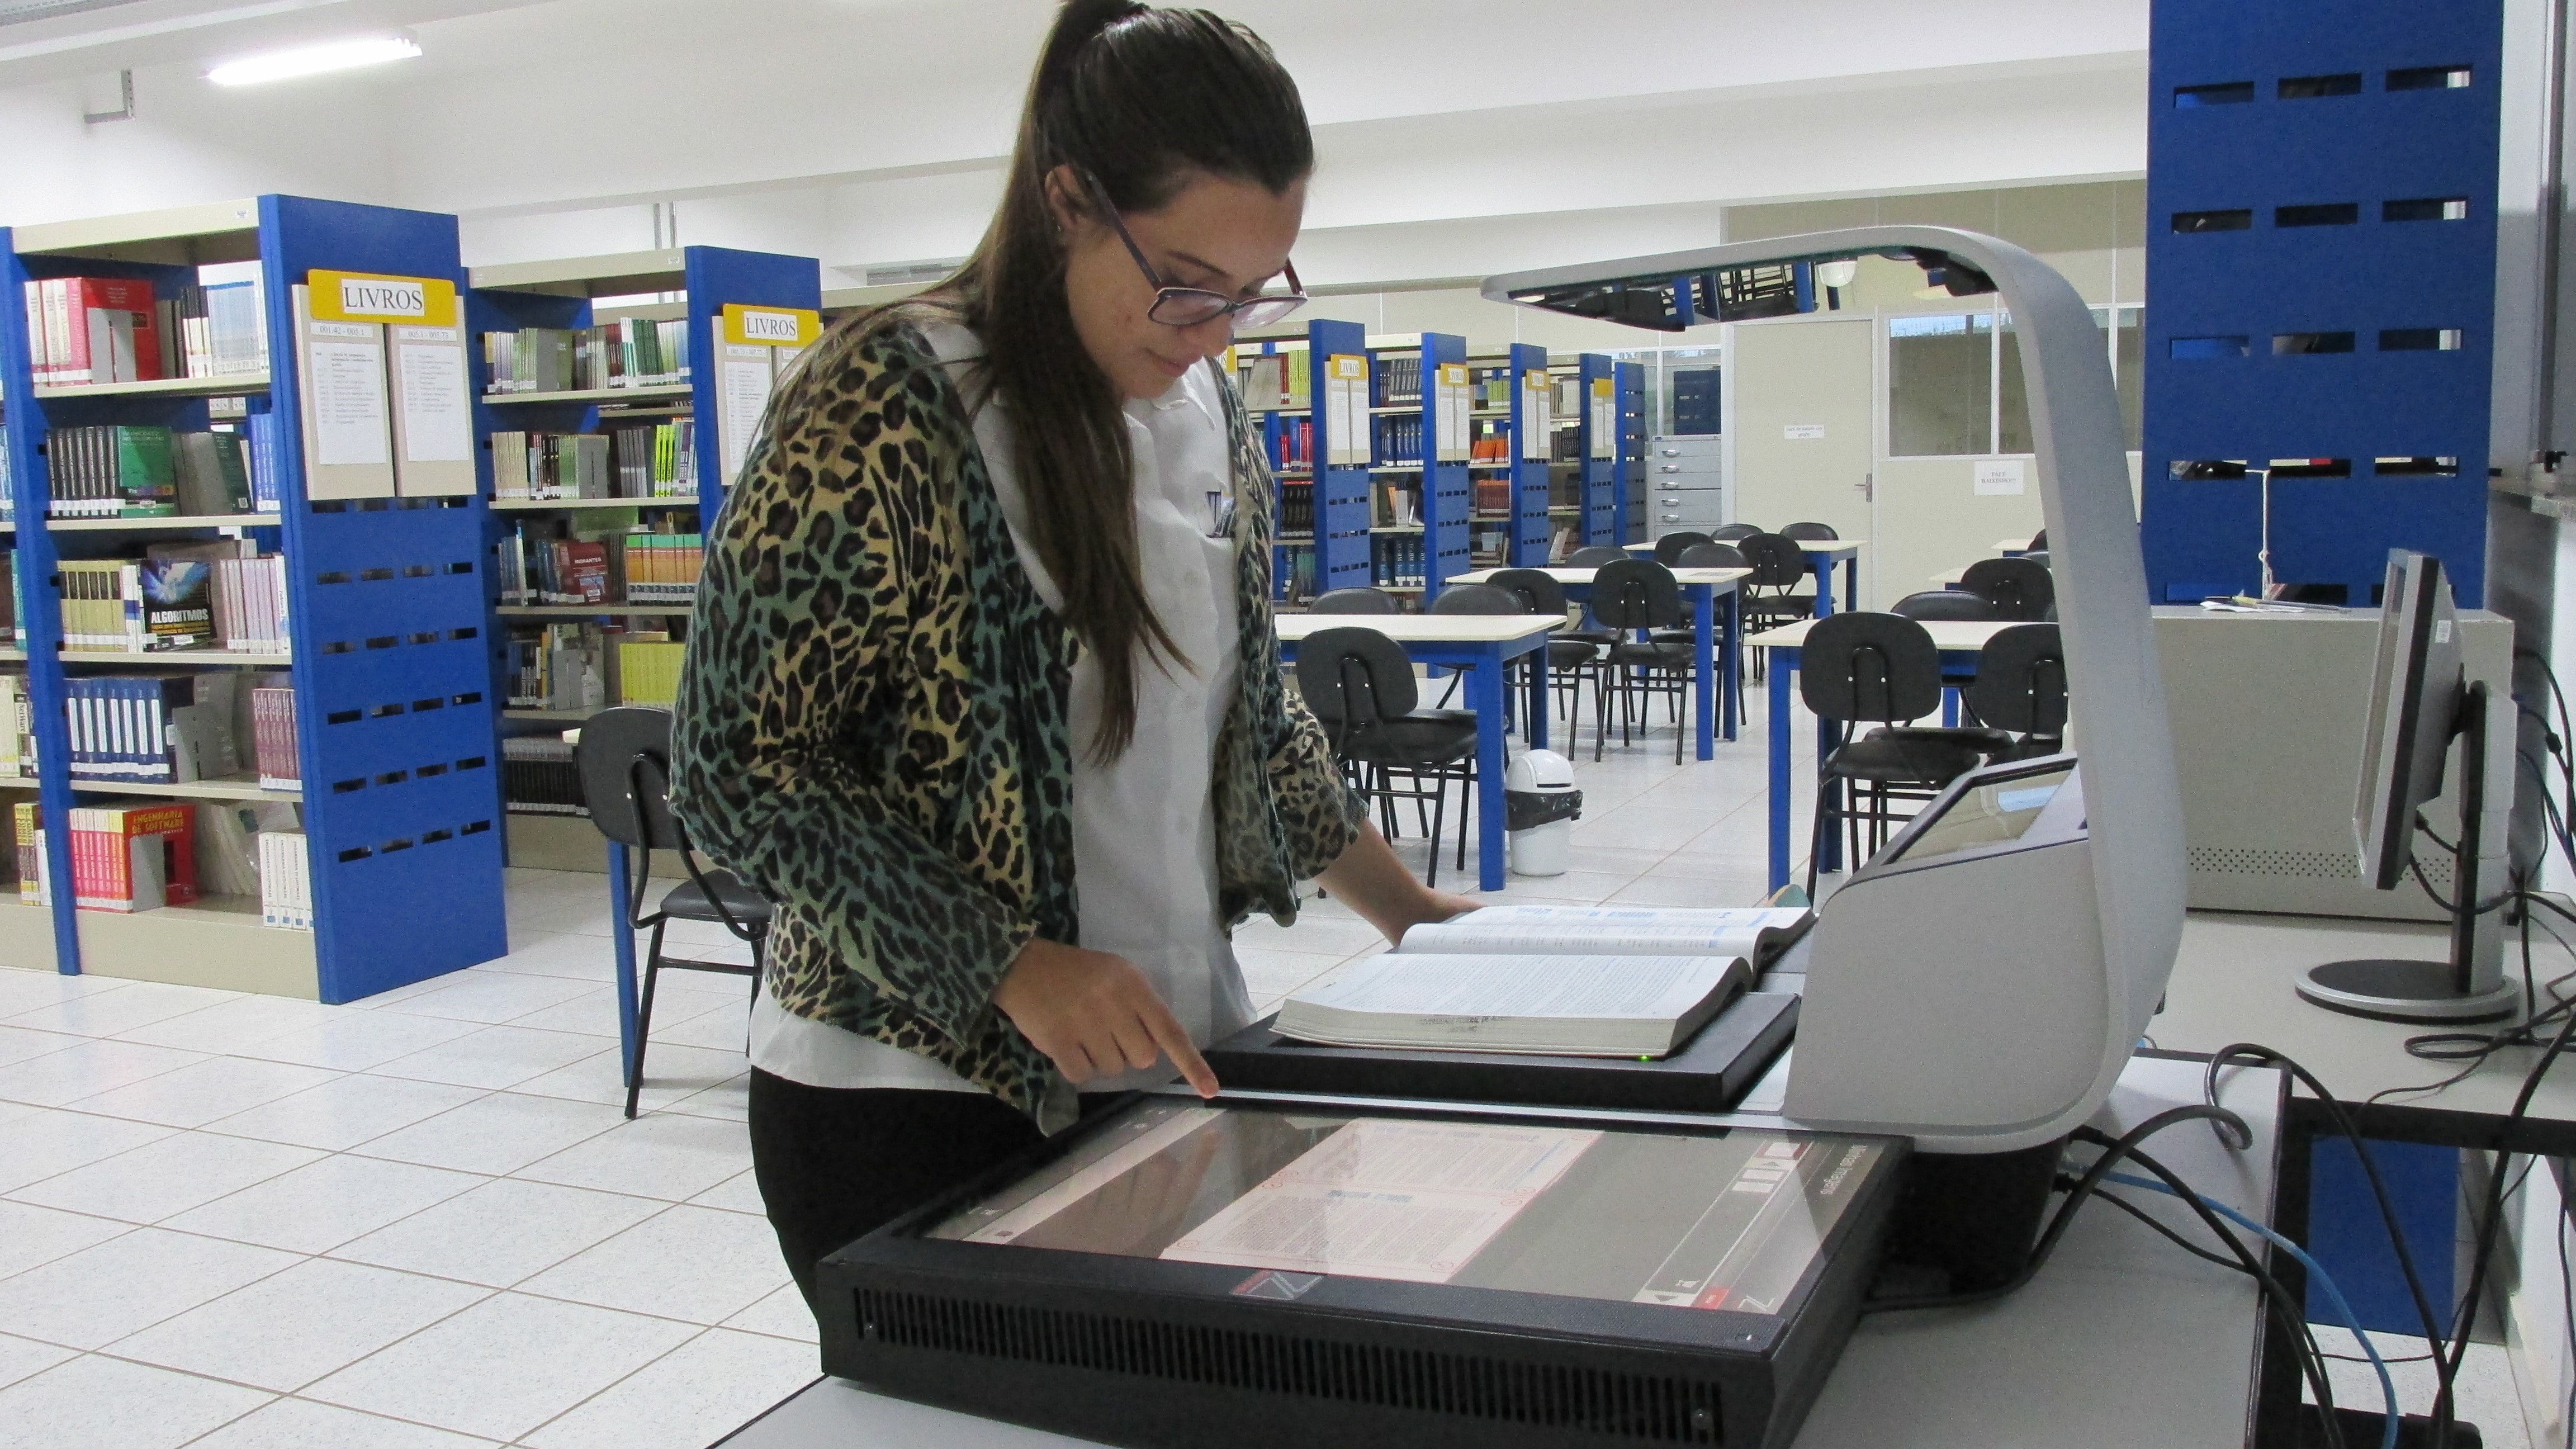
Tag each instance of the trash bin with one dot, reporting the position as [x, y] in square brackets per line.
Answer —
[1540, 806]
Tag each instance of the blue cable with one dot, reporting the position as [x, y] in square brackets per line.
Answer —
[2323, 1279]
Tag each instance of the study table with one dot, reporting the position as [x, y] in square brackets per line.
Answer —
[1481, 644]
[1822, 555]
[1711, 647]
[1959, 640]
[2047, 1364]
[2011, 547]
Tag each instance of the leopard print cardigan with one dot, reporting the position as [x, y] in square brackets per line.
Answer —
[871, 724]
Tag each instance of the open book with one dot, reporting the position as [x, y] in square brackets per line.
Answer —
[1756, 933]
[1625, 1006]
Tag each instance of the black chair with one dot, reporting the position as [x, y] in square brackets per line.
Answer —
[2021, 687]
[2017, 588]
[1709, 556]
[2039, 556]
[1859, 667]
[1669, 548]
[1360, 600]
[1944, 604]
[625, 763]
[1733, 531]
[1769, 598]
[1810, 532]
[1596, 556]
[1359, 685]
[1573, 655]
[1483, 598]
[1630, 595]
[2038, 543]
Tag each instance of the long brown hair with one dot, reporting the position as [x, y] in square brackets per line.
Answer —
[1142, 98]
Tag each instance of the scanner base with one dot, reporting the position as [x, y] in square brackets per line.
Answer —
[2417, 991]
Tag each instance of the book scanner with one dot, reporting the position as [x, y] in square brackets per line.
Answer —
[1277, 1272]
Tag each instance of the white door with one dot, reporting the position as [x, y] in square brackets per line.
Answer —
[1803, 429]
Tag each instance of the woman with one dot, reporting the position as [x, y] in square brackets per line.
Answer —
[963, 646]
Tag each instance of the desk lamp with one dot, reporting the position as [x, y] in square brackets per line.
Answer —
[1999, 1016]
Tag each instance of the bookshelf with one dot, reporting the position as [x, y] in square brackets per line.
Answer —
[1532, 446]
[730, 375]
[1597, 448]
[1628, 498]
[1419, 448]
[385, 628]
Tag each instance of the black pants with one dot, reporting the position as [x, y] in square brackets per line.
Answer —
[834, 1165]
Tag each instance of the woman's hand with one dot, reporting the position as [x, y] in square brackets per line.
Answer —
[1369, 879]
[1095, 1015]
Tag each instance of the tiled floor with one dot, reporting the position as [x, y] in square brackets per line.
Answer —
[419, 1221]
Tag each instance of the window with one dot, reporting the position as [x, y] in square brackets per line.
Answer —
[1954, 382]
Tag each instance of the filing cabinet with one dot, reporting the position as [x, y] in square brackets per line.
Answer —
[1685, 484]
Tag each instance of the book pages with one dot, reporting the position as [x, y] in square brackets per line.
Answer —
[1604, 930]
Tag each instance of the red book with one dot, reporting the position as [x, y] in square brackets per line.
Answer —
[128, 295]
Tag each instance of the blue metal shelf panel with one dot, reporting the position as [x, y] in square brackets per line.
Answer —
[1341, 494]
[1529, 476]
[1447, 494]
[2257, 279]
[716, 276]
[1600, 475]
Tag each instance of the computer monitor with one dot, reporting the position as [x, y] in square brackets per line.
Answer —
[2421, 700]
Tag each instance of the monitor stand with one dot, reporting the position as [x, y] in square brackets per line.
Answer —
[2470, 986]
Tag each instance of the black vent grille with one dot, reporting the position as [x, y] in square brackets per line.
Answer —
[1638, 1407]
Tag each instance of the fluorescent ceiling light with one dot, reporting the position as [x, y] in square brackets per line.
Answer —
[314, 60]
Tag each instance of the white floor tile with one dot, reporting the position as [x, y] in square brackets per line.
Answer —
[303, 1424]
[92, 1067]
[32, 1235]
[104, 1403]
[491, 1056]
[228, 1026]
[503, 1366]
[101, 1294]
[487, 997]
[46, 1141]
[695, 1263]
[160, 1179]
[501, 1232]
[1643, 826]
[575, 957]
[286, 1331]
[316, 1208]
[671, 1072]
[724, 1028]
[736, 1194]
[22, 1357]
[106, 1013]
[729, 1100]
[495, 1134]
[25, 989]
[1312, 935]
[200, 1092]
[1721, 884]
[355, 1041]
[18, 1043]
[688, 1398]
[593, 1012]
[782, 1314]
[345, 1111]
[664, 1155]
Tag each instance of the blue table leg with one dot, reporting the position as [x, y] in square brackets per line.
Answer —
[1485, 695]
[1822, 566]
[1783, 662]
[1704, 665]
[622, 937]
[1950, 709]
[1734, 662]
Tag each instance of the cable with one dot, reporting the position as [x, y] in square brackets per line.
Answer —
[2317, 1273]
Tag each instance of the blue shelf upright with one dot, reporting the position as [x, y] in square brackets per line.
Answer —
[1530, 434]
[1445, 487]
[1628, 495]
[2321, 232]
[1599, 454]
[1341, 488]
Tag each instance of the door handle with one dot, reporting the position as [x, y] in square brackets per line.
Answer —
[1867, 487]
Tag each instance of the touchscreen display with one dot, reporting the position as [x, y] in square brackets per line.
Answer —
[1695, 1222]
[1990, 814]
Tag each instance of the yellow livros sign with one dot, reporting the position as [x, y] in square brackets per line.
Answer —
[773, 326]
[372, 297]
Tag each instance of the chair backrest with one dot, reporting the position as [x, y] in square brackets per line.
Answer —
[2038, 556]
[1944, 604]
[2021, 681]
[1595, 556]
[2017, 587]
[1479, 599]
[2038, 542]
[1729, 533]
[1359, 600]
[1669, 548]
[1636, 593]
[624, 759]
[1810, 532]
[1355, 677]
[1777, 561]
[1859, 665]
[1536, 588]
[1711, 556]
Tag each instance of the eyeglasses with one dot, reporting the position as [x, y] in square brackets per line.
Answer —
[1191, 306]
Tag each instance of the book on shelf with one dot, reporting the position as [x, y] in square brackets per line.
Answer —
[178, 597]
[17, 727]
[662, 568]
[124, 857]
[110, 471]
[121, 329]
[210, 473]
[1399, 439]
[1544, 1005]
[228, 849]
[35, 877]
[1297, 508]
[1274, 380]
[558, 667]
[1296, 445]
[648, 669]
[175, 728]
[1396, 560]
[285, 880]
[1399, 379]
[539, 777]
[642, 462]
[1758, 934]
[275, 753]
[628, 352]
[1399, 504]
[555, 561]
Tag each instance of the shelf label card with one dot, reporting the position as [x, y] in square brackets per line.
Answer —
[1535, 395]
[1605, 419]
[371, 297]
[1801, 432]
[1454, 406]
[771, 326]
[1346, 414]
[2002, 478]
